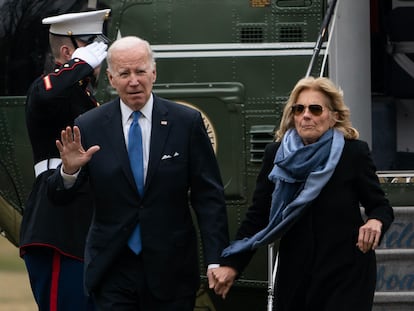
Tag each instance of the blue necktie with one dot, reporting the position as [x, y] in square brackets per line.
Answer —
[137, 165]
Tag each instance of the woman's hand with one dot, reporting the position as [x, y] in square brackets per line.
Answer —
[369, 235]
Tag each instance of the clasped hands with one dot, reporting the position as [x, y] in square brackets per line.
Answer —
[221, 279]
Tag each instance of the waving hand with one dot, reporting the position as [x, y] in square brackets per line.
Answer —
[71, 151]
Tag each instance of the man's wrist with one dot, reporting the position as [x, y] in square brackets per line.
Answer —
[68, 179]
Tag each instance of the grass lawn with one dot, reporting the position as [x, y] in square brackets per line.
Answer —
[15, 293]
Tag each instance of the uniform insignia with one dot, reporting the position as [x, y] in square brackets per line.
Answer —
[47, 83]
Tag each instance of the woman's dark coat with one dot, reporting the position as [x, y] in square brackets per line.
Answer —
[320, 266]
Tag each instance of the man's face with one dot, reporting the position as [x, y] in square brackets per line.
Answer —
[132, 74]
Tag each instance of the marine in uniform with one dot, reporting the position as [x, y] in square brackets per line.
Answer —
[52, 238]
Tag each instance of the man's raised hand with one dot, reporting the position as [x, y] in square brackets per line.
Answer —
[71, 151]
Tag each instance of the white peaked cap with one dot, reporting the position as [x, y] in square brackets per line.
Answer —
[77, 24]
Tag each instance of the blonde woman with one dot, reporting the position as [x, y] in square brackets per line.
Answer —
[308, 194]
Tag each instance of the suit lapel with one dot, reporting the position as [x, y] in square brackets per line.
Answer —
[161, 125]
[112, 128]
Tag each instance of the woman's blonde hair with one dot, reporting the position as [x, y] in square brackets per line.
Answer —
[336, 104]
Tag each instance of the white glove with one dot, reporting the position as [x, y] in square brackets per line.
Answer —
[93, 53]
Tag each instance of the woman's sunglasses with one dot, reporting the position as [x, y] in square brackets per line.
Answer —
[314, 109]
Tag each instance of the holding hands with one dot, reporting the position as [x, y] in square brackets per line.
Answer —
[221, 279]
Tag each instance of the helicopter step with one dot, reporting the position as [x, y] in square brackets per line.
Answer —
[395, 264]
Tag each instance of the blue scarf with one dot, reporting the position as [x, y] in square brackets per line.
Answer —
[299, 174]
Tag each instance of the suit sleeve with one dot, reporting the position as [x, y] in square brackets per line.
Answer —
[56, 190]
[257, 216]
[207, 193]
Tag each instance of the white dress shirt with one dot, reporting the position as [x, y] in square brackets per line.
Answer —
[145, 122]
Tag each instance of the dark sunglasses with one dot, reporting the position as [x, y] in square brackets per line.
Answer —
[314, 109]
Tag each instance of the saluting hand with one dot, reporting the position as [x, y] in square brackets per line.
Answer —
[71, 151]
[93, 53]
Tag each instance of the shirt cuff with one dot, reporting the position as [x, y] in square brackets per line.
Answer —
[68, 180]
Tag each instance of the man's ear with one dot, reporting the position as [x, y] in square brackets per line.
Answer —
[154, 74]
[66, 52]
[110, 77]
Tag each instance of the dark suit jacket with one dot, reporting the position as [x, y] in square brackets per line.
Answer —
[190, 177]
[319, 261]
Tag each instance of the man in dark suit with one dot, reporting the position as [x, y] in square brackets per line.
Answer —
[180, 170]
